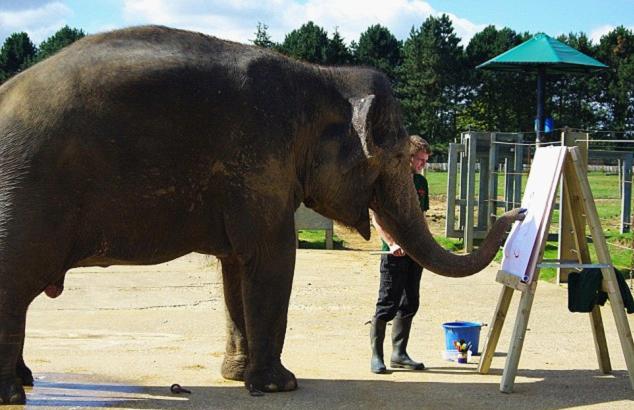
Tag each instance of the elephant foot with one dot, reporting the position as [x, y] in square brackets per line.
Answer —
[12, 393]
[273, 379]
[24, 374]
[234, 366]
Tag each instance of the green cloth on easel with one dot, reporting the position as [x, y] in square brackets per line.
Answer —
[584, 290]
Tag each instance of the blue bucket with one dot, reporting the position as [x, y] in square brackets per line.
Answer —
[469, 331]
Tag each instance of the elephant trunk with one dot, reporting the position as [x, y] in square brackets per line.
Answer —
[398, 212]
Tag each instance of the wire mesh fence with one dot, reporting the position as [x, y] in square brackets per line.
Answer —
[609, 172]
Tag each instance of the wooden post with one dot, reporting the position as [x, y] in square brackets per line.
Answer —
[518, 162]
[508, 185]
[464, 157]
[483, 194]
[566, 235]
[472, 143]
[452, 172]
[626, 193]
[517, 339]
[497, 323]
[582, 255]
[492, 208]
[603, 256]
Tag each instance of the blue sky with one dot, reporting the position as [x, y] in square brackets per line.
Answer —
[237, 19]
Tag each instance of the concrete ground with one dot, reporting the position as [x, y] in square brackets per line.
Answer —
[119, 337]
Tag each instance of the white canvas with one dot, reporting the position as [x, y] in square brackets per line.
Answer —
[524, 242]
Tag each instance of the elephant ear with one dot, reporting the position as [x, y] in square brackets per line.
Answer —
[361, 108]
[360, 146]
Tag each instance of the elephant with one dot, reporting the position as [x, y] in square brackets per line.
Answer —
[139, 145]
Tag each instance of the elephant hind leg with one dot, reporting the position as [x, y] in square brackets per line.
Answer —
[12, 323]
[236, 356]
[22, 371]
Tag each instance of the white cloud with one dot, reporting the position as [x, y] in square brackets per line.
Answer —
[38, 19]
[464, 28]
[237, 20]
[598, 32]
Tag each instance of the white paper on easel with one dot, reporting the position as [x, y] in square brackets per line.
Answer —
[524, 242]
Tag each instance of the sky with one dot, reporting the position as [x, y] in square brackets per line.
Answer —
[237, 19]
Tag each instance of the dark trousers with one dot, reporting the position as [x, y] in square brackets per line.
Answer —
[399, 291]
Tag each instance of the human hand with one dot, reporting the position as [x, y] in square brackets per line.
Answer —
[396, 250]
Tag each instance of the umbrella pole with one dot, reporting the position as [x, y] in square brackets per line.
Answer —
[541, 79]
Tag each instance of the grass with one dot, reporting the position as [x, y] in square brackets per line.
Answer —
[316, 239]
[605, 190]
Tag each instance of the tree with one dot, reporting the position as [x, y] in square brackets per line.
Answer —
[616, 49]
[337, 52]
[309, 43]
[572, 96]
[491, 97]
[262, 37]
[379, 48]
[431, 78]
[57, 41]
[16, 54]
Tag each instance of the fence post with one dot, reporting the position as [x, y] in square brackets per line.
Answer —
[626, 193]
[472, 144]
[492, 206]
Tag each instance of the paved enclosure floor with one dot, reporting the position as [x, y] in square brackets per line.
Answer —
[119, 337]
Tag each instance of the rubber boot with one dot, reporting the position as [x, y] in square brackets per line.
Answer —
[377, 336]
[400, 336]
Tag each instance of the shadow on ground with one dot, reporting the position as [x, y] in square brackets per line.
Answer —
[538, 389]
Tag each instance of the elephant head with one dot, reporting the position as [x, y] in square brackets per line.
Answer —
[367, 168]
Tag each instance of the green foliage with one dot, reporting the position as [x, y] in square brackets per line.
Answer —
[262, 37]
[311, 43]
[430, 79]
[379, 48]
[491, 101]
[308, 43]
[337, 52]
[616, 49]
[59, 40]
[17, 53]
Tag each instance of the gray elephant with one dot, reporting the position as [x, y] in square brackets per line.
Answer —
[140, 145]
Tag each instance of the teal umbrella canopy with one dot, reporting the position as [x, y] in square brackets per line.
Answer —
[543, 55]
[543, 52]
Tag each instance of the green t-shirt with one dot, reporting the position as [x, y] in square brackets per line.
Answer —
[422, 189]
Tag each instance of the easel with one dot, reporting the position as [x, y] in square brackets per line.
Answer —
[576, 190]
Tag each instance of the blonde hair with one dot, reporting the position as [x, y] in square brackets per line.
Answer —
[417, 143]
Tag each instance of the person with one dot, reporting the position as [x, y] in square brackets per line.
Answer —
[398, 298]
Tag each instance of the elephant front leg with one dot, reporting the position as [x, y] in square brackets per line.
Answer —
[236, 354]
[266, 293]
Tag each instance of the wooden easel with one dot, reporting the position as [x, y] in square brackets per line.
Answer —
[576, 190]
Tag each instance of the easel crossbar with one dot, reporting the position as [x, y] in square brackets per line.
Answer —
[574, 265]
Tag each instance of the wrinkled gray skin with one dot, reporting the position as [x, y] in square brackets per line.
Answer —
[141, 145]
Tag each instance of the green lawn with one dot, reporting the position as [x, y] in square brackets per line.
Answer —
[605, 190]
[316, 239]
